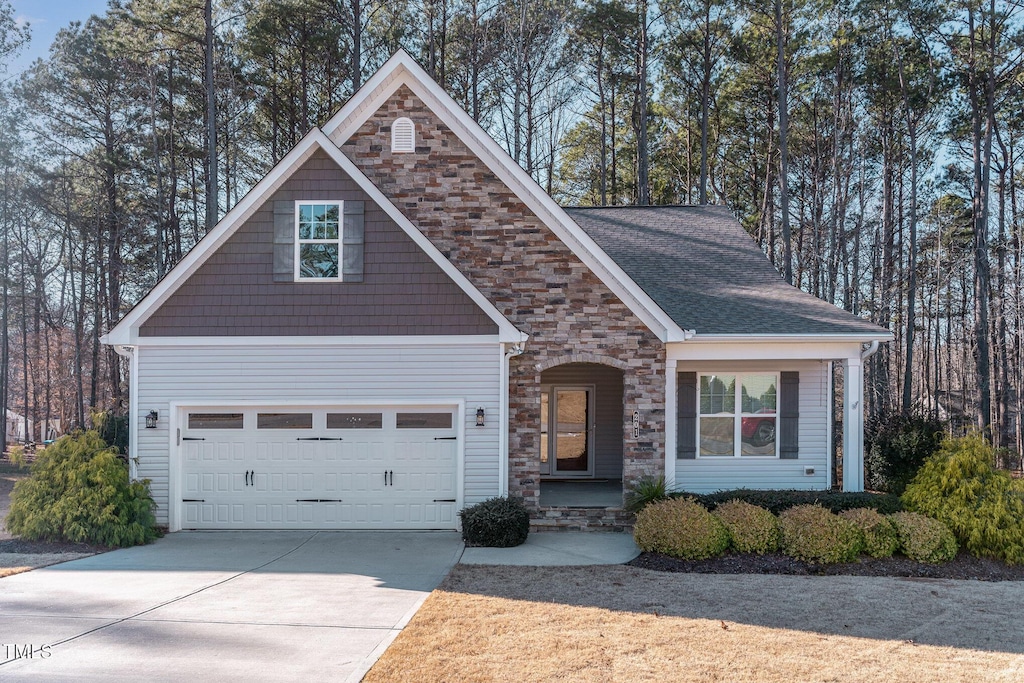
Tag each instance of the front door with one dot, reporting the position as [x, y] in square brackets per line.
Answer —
[567, 431]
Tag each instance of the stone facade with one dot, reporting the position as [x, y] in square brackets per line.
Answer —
[530, 276]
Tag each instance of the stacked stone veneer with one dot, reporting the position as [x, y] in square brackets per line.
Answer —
[527, 273]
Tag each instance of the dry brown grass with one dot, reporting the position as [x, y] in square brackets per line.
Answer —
[627, 624]
[16, 563]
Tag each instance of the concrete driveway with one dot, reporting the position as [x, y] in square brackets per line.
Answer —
[224, 606]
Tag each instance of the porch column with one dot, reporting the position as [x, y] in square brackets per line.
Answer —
[853, 424]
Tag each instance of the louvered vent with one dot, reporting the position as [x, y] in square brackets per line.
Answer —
[403, 136]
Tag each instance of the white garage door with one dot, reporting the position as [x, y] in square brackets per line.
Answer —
[319, 468]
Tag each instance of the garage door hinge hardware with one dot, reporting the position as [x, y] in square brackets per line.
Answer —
[444, 500]
[192, 438]
[318, 500]
[319, 438]
[445, 438]
[193, 500]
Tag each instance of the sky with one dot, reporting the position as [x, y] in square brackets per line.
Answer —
[45, 18]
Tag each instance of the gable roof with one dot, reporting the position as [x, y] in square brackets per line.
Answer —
[704, 270]
[126, 331]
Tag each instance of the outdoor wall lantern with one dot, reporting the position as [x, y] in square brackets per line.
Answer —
[480, 416]
[151, 419]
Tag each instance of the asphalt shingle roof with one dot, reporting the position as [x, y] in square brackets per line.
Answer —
[708, 274]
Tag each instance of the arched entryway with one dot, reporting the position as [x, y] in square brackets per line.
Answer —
[581, 436]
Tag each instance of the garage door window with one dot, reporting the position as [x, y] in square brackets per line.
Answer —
[424, 421]
[284, 421]
[215, 420]
[355, 421]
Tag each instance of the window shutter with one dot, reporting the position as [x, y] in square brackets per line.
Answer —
[686, 415]
[284, 241]
[352, 242]
[789, 415]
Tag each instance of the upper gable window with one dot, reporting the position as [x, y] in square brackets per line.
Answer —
[403, 135]
[318, 241]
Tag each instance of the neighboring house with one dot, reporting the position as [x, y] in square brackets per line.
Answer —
[397, 322]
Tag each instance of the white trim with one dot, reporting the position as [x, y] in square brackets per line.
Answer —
[298, 242]
[853, 424]
[802, 338]
[370, 341]
[767, 350]
[126, 331]
[671, 421]
[136, 420]
[402, 69]
[830, 423]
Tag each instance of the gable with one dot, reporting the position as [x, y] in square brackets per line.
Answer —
[234, 293]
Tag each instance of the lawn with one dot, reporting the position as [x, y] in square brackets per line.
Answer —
[628, 624]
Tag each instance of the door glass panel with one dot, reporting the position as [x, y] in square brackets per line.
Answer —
[355, 421]
[424, 421]
[572, 420]
[545, 405]
[215, 420]
[284, 421]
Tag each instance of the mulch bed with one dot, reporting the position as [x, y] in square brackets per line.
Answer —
[17, 545]
[964, 566]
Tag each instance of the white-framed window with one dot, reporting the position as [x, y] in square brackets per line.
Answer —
[737, 414]
[318, 240]
[403, 135]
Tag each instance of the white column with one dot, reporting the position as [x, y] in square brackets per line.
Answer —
[853, 424]
[670, 422]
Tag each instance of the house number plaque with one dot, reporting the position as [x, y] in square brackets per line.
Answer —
[636, 424]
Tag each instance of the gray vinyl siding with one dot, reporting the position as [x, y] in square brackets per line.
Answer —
[402, 292]
[344, 375]
[609, 418]
[704, 475]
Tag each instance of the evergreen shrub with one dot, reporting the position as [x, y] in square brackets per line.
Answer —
[495, 523]
[896, 445]
[924, 539]
[880, 539]
[681, 528]
[752, 529]
[813, 534]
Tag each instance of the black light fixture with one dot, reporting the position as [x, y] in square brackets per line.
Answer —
[480, 416]
[151, 419]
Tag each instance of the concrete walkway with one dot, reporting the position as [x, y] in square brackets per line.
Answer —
[559, 549]
[224, 606]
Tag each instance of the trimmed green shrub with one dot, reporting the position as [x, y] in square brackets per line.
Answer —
[982, 506]
[924, 539]
[752, 529]
[776, 501]
[78, 490]
[896, 445]
[682, 528]
[645, 491]
[813, 534]
[880, 539]
[495, 523]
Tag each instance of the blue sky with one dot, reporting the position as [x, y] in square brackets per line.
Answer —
[45, 18]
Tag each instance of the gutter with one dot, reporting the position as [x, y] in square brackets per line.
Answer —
[509, 351]
[869, 351]
[130, 352]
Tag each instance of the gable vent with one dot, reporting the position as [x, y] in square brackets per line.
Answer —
[403, 136]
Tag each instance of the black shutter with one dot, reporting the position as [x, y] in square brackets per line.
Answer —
[352, 242]
[284, 241]
[789, 415]
[686, 415]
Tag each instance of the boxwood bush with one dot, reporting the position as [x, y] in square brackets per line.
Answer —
[777, 501]
[880, 539]
[752, 529]
[982, 506]
[924, 539]
[682, 528]
[78, 490]
[814, 534]
[495, 523]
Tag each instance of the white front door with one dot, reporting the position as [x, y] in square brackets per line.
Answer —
[374, 467]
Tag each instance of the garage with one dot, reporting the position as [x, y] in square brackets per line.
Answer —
[318, 467]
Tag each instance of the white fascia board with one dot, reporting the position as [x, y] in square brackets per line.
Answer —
[863, 337]
[402, 69]
[411, 341]
[507, 332]
[774, 350]
[126, 331]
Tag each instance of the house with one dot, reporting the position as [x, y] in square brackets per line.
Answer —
[397, 322]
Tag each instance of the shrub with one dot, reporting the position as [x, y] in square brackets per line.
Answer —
[924, 539]
[682, 528]
[495, 523]
[645, 491]
[880, 539]
[896, 445]
[18, 457]
[752, 529]
[982, 506]
[78, 490]
[776, 501]
[813, 534]
[113, 429]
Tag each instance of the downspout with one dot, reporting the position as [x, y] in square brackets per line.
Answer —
[508, 351]
[130, 352]
[869, 351]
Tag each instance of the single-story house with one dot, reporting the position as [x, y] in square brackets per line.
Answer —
[397, 322]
